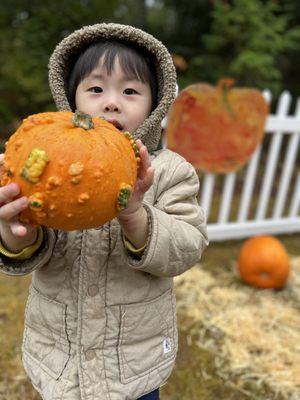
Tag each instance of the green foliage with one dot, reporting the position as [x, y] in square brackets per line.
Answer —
[180, 24]
[254, 41]
[29, 32]
[247, 41]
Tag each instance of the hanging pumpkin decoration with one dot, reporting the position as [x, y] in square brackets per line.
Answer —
[216, 129]
[264, 263]
[78, 172]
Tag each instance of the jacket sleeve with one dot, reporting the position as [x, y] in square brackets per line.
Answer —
[10, 266]
[177, 226]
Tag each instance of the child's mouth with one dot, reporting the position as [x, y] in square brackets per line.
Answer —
[115, 123]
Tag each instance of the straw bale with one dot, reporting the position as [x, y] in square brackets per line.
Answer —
[256, 331]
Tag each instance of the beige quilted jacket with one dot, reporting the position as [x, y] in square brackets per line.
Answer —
[99, 323]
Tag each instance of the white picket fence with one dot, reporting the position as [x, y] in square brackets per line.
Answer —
[264, 196]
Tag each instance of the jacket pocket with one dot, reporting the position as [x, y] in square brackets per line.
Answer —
[148, 337]
[45, 340]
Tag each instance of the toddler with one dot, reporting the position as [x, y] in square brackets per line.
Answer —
[100, 321]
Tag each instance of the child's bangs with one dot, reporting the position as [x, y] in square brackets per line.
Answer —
[132, 64]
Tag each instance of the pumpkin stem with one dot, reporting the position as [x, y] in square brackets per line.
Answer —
[35, 165]
[225, 84]
[123, 196]
[82, 120]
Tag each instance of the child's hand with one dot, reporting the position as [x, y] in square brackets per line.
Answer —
[10, 208]
[144, 182]
[133, 219]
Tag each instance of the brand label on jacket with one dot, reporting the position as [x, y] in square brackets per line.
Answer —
[167, 345]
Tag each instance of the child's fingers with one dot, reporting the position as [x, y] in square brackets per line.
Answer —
[145, 161]
[146, 158]
[139, 143]
[150, 176]
[146, 171]
[8, 192]
[147, 182]
[143, 149]
[13, 208]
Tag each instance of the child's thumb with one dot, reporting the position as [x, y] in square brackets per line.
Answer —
[18, 229]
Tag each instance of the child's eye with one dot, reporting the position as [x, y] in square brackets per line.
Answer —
[96, 89]
[130, 91]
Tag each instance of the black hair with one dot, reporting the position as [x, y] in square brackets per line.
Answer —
[137, 63]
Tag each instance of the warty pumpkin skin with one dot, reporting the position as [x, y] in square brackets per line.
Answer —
[264, 263]
[78, 172]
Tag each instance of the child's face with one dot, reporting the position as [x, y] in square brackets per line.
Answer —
[123, 102]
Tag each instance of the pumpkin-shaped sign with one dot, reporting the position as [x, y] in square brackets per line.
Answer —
[216, 128]
[78, 172]
[263, 262]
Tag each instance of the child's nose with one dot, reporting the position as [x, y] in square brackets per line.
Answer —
[112, 107]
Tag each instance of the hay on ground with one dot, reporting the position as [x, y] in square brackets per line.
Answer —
[257, 332]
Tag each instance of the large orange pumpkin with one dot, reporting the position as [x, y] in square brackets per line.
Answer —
[216, 128]
[264, 263]
[78, 172]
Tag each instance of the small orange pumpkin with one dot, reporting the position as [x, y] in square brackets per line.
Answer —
[264, 263]
[216, 129]
[78, 172]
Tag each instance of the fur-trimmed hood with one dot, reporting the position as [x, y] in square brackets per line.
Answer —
[65, 52]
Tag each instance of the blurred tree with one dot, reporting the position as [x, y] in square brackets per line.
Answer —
[134, 13]
[290, 61]
[29, 32]
[247, 41]
[180, 24]
[254, 41]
